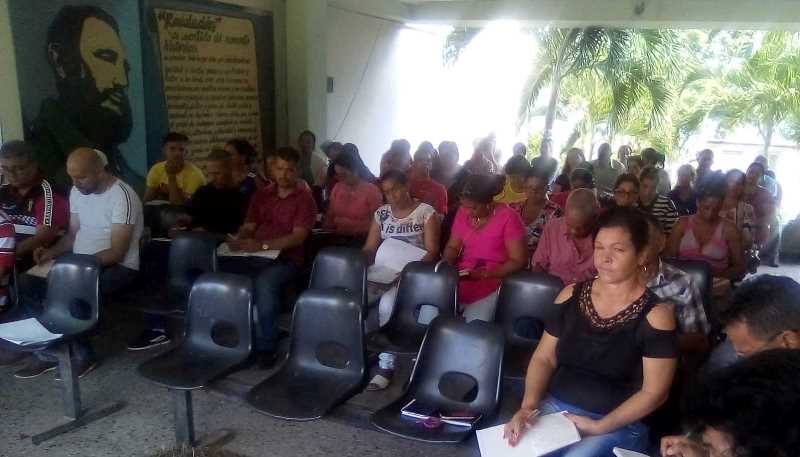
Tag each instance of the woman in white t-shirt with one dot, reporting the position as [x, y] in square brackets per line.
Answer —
[407, 220]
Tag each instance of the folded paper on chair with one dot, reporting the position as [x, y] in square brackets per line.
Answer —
[225, 251]
[619, 452]
[42, 270]
[420, 411]
[550, 433]
[392, 256]
[26, 332]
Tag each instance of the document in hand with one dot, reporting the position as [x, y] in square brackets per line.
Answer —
[619, 452]
[225, 251]
[42, 270]
[549, 433]
[26, 332]
[392, 256]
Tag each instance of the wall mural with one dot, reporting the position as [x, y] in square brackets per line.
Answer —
[79, 72]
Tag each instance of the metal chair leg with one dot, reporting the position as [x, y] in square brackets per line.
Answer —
[184, 418]
[72, 391]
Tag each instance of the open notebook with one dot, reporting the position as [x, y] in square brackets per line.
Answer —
[392, 256]
[550, 432]
[225, 251]
[26, 332]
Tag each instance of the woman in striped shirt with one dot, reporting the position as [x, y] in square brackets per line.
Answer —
[651, 202]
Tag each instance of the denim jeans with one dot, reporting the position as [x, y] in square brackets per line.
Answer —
[633, 437]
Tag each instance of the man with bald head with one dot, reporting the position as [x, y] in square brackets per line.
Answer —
[106, 222]
[566, 248]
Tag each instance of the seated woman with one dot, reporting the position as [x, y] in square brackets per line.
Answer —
[626, 191]
[537, 209]
[608, 356]
[575, 159]
[487, 244]
[513, 193]
[737, 210]
[707, 236]
[407, 220]
[684, 195]
[353, 200]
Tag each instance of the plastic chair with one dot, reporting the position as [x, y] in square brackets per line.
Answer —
[191, 255]
[71, 309]
[420, 284]
[326, 363]
[524, 303]
[341, 267]
[701, 274]
[218, 338]
[452, 350]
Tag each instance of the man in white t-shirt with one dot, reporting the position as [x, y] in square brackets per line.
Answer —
[106, 222]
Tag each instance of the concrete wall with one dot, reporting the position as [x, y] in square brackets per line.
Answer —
[10, 109]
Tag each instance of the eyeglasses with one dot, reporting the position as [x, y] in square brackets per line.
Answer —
[626, 193]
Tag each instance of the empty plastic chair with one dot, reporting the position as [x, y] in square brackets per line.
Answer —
[458, 370]
[326, 363]
[341, 267]
[191, 255]
[218, 339]
[71, 310]
[422, 285]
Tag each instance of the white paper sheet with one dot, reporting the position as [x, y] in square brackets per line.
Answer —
[392, 256]
[619, 452]
[225, 251]
[42, 270]
[551, 432]
[26, 332]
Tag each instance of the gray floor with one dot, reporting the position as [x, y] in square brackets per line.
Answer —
[146, 424]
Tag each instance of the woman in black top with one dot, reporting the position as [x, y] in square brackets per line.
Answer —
[608, 356]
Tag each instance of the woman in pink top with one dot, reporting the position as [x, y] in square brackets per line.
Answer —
[487, 244]
[353, 200]
[707, 236]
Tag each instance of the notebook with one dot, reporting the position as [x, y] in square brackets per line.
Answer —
[550, 432]
[225, 251]
[420, 411]
[392, 256]
[619, 452]
[26, 332]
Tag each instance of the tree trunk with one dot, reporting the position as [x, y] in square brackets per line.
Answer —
[550, 116]
[768, 139]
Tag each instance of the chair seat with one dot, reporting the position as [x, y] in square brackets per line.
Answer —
[293, 395]
[187, 368]
[391, 421]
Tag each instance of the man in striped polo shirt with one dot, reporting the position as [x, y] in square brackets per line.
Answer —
[651, 202]
[39, 215]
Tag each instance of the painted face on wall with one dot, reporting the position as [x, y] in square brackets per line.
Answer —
[102, 53]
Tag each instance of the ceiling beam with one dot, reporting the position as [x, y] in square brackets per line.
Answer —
[709, 14]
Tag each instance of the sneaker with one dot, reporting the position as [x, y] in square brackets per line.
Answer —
[149, 339]
[35, 367]
[83, 367]
[10, 357]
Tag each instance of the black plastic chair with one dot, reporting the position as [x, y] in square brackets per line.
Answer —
[218, 339]
[524, 303]
[191, 255]
[71, 308]
[421, 283]
[326, 363]
[701, 274]
[340, 267]
[463, 359]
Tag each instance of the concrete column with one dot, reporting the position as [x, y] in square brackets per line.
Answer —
[306, 72]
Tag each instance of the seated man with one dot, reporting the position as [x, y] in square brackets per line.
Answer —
[38, 213]
[422, 187]
[566, 247]
[676, 287]
[651, 202]
[280, 217]
[174, 179]
[217, 207]
[106, 222]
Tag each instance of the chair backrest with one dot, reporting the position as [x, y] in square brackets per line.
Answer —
[524, 303]
[701, 274]
[191, 254]
[220, 315]
[340, 267]
[452, 352]
[420, 284]
[72, 301]
[168, 216]
[327, 337]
